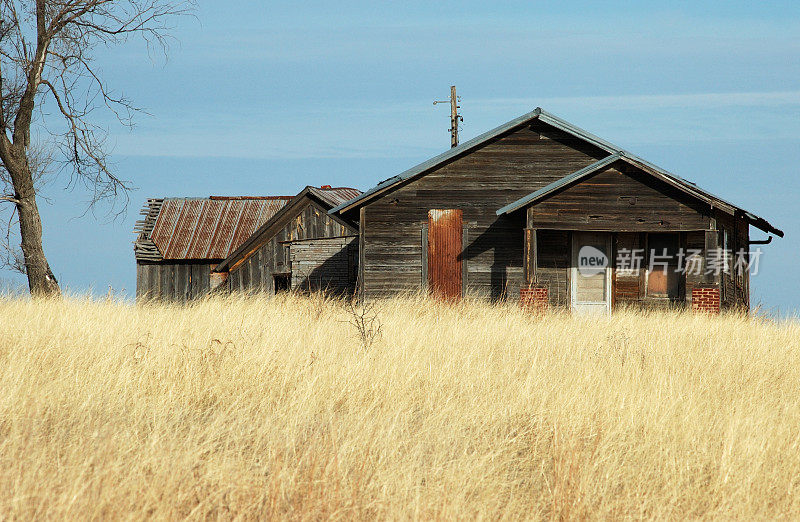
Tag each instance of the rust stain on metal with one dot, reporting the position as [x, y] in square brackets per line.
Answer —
[199, 246]
[339, 195]
[213, 227]
[210, 228]
[223, 235]
[184, 229]
[444, 252]
[165, 224]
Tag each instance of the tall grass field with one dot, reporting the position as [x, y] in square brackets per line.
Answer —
[304, 408]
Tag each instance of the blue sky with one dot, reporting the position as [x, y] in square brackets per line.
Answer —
[265, 98]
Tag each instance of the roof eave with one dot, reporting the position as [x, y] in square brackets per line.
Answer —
[762, 224]
[680, 184]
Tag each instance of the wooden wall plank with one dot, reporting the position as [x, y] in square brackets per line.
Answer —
[308, 221]
[620, 200]
[552, 268]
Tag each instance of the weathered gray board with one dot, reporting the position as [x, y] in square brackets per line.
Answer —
[256, 273]
[172, 281]
[479, 183]
[325, 264]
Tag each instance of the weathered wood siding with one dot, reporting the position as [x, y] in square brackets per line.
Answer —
[619, 200]
[552, 264]
[478, 183]
[326, 264]
[696, 242]
[742, 280]
[734, 287]
[310, 221]
[178, 282]
[627, 285]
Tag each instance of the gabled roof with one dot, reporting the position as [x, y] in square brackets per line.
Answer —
[333, 195]
[681, 184]
[561, 124]
[426, 166]
[200, 228]
[434, 162]
[327, 197]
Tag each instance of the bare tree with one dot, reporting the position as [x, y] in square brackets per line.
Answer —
[46, 58]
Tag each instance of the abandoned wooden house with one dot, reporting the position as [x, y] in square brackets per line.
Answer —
[179, 241]
[509, 213]
[301, 247]
[536, 209]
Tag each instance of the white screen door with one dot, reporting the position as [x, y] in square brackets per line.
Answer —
[590, 272]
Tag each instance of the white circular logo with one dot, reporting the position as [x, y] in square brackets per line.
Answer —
[591, 261]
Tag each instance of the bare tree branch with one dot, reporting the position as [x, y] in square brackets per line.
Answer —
[46, 59]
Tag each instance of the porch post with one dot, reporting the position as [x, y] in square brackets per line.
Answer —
[530, 256]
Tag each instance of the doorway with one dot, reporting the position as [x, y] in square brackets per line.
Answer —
[283, 282]
[590, 272]
[445, 235]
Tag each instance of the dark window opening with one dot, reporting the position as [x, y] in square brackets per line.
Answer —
[283, 282]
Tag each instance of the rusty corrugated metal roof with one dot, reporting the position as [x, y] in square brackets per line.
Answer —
[336, 195]
[326, 195]
[209, 228]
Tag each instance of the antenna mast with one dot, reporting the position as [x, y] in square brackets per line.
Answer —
[455, 117]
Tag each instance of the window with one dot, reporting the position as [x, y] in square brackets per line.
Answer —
[663, 278]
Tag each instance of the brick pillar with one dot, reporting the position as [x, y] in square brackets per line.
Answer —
[705, 299]
[534, 299]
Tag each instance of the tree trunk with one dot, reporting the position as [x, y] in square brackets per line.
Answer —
[41, 281]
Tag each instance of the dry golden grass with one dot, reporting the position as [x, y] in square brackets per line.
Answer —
[251, 407]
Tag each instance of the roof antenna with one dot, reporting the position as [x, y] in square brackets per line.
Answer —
[455, 117]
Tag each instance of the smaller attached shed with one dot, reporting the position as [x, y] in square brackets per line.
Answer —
[180, 240]
[301, 247]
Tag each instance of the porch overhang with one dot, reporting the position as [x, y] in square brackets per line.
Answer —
[680, 184]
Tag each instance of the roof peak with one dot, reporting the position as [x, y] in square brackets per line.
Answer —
[537, 113]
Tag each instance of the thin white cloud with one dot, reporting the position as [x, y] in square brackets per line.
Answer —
[656, 101]
[417, 129]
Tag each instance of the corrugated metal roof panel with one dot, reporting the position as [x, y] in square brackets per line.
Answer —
[209, 220]
[336, 196]
[326, 195]
[246, 223]
[210, 228]
[184, 230]
[165, 224]
[223, 236]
